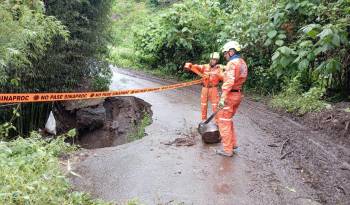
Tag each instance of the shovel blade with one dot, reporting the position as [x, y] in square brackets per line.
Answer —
[211, 137]
[209, 132]
[201, 128]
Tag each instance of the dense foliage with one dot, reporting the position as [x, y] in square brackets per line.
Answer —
[184, 32]
[51, 46]
[25, 35]
[81, 57]
[316, 43]
[30, 173]
[282, 40]
[128, 16]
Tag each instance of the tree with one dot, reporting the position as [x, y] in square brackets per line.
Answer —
[38, 55]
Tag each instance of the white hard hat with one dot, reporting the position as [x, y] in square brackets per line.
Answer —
[215, 55]
[231, 45]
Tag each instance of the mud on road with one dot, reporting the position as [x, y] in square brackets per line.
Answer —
[317, 160]
[279, 161]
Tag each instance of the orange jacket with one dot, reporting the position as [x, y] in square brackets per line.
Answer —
[234, 76]
[211, 75]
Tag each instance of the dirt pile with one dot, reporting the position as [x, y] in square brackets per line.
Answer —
[335, 121]
[187, 140]
[101, 122]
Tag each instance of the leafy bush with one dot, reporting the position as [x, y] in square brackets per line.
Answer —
[79, 58]
[25, 35]
[30, 173]
[128, 17]
[153, 2]
[102, 75]
[280, 39]
[186, 31]
[293, 100]
[246, 24]
[51, 46]
[318, 42]
[123, 57]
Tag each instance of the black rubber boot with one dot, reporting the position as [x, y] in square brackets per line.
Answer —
[223, 153]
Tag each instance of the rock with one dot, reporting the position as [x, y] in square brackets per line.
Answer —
[345, 166]
[115, 125]
[126, 112]
[91, 118]
[80, 104]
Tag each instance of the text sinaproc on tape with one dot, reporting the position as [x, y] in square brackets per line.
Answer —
[49, 97]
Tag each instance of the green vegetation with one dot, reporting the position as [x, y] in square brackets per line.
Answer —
[298, 52]
[25, 35]
[139, 131]
[292, 99]
[81, 57]
[128, 17]
[31, 174]
[46, 46]
[282, 40]
[51, 46]
[186, 31]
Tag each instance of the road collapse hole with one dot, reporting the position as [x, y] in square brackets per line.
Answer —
[104, 122]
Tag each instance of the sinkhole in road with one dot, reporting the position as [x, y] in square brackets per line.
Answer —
[104, 122]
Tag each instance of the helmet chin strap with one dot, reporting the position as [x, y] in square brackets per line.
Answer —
[235, 56]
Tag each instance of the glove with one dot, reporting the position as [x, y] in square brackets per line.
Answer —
[204, 76]
[188, 66]
[221, 103]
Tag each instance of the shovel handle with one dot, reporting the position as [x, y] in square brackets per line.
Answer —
[212, 116]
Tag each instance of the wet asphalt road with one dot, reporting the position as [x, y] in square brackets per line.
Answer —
[156, 173]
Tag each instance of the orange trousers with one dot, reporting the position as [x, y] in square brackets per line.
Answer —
[209, 95]
[225, 123]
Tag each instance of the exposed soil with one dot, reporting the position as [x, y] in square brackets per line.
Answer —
[102, 122]
[334, 121]
[322, 160]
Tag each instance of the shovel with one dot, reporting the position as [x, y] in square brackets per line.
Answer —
[209, 131]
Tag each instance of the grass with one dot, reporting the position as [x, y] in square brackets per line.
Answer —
[300, 104]
[139, 131]
[128, 16]
[31, 174]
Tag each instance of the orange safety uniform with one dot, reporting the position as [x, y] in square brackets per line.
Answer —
[210, 93]
[234, 77]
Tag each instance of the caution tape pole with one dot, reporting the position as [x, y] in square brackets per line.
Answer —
[49, 97]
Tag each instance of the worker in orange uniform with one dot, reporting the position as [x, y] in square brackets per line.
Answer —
[233, 79]
[212, 75]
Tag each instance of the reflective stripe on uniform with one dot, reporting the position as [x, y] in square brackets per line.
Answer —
[225, 119]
